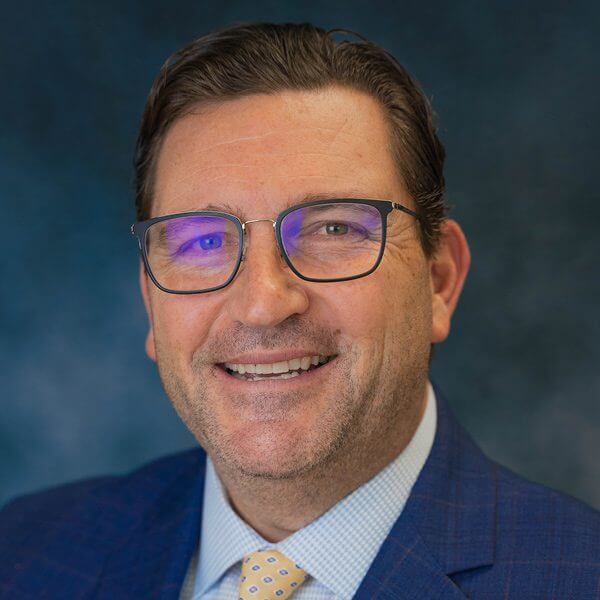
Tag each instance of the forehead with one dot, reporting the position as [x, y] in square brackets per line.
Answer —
[269, 151]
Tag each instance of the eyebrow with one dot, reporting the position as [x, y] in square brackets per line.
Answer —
[309, 197]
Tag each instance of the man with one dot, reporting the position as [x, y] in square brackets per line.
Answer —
[297, 268]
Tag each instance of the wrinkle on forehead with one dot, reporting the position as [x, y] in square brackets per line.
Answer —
[208, 167]
[200, 170]
[245, 138]
[252, 139]
[223, 191]
[294, 106]
[338, 132]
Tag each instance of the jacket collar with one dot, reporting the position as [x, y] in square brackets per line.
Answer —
[447, 525]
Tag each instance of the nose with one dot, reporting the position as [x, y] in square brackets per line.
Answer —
[265, 290]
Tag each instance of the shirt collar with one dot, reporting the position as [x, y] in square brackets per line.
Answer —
[338, 547]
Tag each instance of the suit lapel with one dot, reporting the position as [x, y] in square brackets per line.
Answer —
[153, 559]
[447, 525]
[405, 570]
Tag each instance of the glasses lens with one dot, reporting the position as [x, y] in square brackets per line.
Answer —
[329, 241]
[193, 253]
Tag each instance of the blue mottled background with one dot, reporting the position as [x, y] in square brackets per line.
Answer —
[516, 87]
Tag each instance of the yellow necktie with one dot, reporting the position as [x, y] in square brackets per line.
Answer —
[269, 575]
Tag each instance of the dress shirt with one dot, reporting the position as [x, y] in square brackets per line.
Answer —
[336, 549]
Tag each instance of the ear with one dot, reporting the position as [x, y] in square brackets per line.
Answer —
[448, 271]
[150, 349]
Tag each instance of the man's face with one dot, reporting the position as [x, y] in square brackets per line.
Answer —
[258, 155]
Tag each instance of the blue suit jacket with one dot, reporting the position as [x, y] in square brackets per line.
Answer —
[470, 529]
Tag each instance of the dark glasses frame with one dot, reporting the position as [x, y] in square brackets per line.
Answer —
[385, 207]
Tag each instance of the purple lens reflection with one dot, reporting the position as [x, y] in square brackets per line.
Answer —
[333, 240]
[193, 253]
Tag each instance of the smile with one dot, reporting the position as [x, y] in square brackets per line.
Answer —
[298, 367]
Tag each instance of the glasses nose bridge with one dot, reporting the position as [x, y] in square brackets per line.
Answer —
[244, 223]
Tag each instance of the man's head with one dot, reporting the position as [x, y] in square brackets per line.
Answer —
[256, 118]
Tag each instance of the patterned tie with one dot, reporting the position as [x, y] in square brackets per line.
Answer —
[269, 575]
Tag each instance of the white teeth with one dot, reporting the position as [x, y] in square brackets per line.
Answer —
[285, 366]
[258, 377]
[294, 364]
[289, 375]
[281, 367]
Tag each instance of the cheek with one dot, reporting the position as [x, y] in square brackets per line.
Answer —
[408, 318]
[359, 310]
[182, 322]
[399, 302]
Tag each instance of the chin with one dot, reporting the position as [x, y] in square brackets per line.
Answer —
[268, 449]
[272, 469]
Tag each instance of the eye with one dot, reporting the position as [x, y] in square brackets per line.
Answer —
[336, 228]
[339, 229]
[205, 242]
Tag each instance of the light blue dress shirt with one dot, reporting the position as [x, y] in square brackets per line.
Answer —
[336, 549]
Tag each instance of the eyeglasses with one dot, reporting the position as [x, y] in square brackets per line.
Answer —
[321, 241]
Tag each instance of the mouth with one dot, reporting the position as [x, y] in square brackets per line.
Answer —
[297, 369]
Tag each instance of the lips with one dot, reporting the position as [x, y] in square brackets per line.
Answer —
[295, 366]
[283, 380]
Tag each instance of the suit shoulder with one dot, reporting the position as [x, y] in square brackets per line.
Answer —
[546, 544]
[49, 508]
[71, 528]
[537, 521]
[48, 502]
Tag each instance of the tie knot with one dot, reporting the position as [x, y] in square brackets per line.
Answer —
[269, 575]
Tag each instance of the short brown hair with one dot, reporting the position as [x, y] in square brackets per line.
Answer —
[253, 58]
